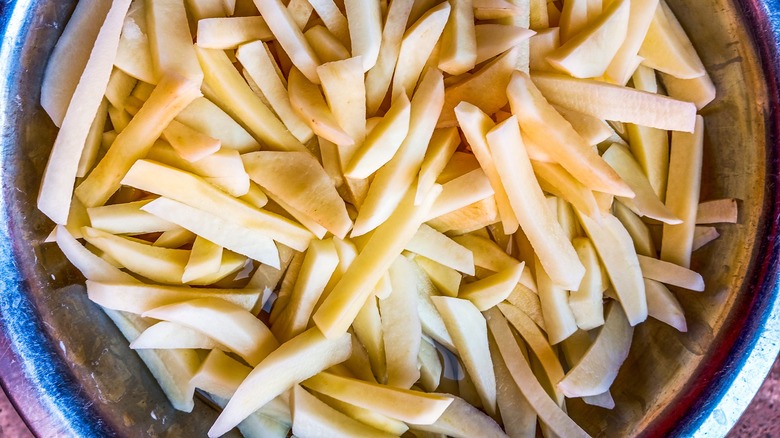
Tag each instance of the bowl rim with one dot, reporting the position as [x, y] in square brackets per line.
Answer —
[39, 385]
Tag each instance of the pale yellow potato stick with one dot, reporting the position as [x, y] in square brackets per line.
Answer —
[459, 41]
[307, 101]
[401, 327]
[333, 18]
[495, 39]
[341, 307]
[554, 250]
[134, 56]
[170, 41]
[641, 14]
[682, 194]
[313, 417]
[671, 274]
[365, 29]
[667, 48]
[344, 88]
[56, 192]
[717, 211]
[229, 33]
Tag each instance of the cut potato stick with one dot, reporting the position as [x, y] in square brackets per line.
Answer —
[137, 298]
[431, 366]
[559, 321]
[162, 265]
[127, 218]
[391, 182]
[612, 102]
[703, 236]
[616, 251]
[663, 305]
[491, 290]
[458, 53]
[319, 263]
[71, 55]
[667, 48]
[94, 141]
[671, 274]
[367, 327]
[682, 194]
[90, 265]
[261, 66]
[382, 142]
[467, 219]
[484, 89]
[495, 39]
[540, 45]
[463, 420]
[205, 260]
[645, 201]
[327, 47]
[401, 327]
[528, 301]
[133, 56]
[189, 189]
[595, 372]
[574, 17]
[543, 125]
[224, 233]
[203, 115]
[290, 212]
[119, 87]
[591, 129]
[379, 77]
[168, 98]
[517, 415]
[432, 322]
[446, 280]
[365, 416]
[717, 212]
[699, 91]
[546, 408]
[543, 231]
[189, 143]
[308, 102]
[589, 53]
[56, 191]
[553, 178]
[290, 37]
[640, 234]
[170, 335]
[624, 61]
[402, 404]
[487, 254]
[294, 361]
[430, 243]
[343, 86]
[469, 333]
[416, 48]
[312, 417]
[342, 305]
[461, 192]
[587, 302]
[170, 41]
[443, 144]
[365, 29]
[231, 89]
[333, 19]
[229, 33]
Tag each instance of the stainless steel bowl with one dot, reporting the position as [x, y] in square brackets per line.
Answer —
[70, 372]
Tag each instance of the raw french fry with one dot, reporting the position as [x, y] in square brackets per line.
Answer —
[574, 17]
[94, 141]
[699, 91]
[127, 218]
[461, 192]
[401, 327]
[344, 302]
[294, 361]
[626, 59]
[367, 327]
[717, 211]
[494, 9]
[528, 301]
[319, 263]
[189, 143]
[541, 123]
[682, 194]
[430, 365]
[343, 85]
[589, 53]
[290, 212]
[312, 417]
[544, 232]
[382, 142]
[134, 297]
[616, 251]
[208, 118]
[546, 408]
[133, 55]
[90, 265]
[227, 84]
[463, 420]
[574, 349]
[517, 415]
[406, 405]
[190, 190]
[379, 77]
[71, 54]
[432, 322]
[612, 102]
[458, 40]
[119, 87]
[327, 47]
[365, 416]
[416, 47]
[484, 89]
[487, 254]
[446, 280]
[645, 201]
[392, 181]
[595, 372]
[443, 144]
[170, 41]
[300, 11]
[171, 95]
[333, 18]
[170, 335]
[205, 260]
[469, 333]
[290, 37]
[203, 9]
[663, 305]
[640, 234]
[587, 301]
[475, 125]
[285, 290]
[224, 233]
[56, 192]
[430, 243]
[538, 344]
[308, 102]
[592, 129]
[553, 178]
[491, 290]
[298, 179]
[467, 219]
[559, 321]
[494, 39]
[671, 274]
[365, 29]
[229, 33]
[667, 48]
[542, 44]
[703, 236]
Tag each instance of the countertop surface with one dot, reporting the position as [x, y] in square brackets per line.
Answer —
[761, 420]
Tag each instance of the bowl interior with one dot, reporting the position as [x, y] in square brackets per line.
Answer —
[116, 395]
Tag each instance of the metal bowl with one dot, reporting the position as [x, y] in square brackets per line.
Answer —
[70, 372]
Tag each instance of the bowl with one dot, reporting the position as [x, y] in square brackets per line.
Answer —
[70, 372]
